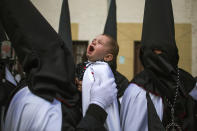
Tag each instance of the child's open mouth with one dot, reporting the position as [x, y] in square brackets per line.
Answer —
[91, 48]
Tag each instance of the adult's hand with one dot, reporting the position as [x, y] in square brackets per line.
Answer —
[103, 94]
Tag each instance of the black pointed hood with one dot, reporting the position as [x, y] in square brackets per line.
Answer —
[2, 37]
[111, 28]
[45, 57]
[159, 33]
[64, 25]
[2, 33]
[111, 22]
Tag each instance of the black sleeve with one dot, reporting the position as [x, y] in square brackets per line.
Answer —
[93, 120]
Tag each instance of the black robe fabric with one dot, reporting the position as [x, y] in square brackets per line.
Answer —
[6, 88]
[122, 83]
[185, 108]
[93, 120]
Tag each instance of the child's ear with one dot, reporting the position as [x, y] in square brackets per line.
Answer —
[108, 57]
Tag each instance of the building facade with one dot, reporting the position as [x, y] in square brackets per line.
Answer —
[88, 19]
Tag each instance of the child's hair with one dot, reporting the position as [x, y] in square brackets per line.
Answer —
[114, 46]
[114, 51]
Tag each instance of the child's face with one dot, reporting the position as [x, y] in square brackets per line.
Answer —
[98, 48]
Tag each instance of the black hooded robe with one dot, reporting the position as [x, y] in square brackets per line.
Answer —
[49, 75]
[159, 98]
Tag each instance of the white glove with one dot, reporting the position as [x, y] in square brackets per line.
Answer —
[103, 94]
